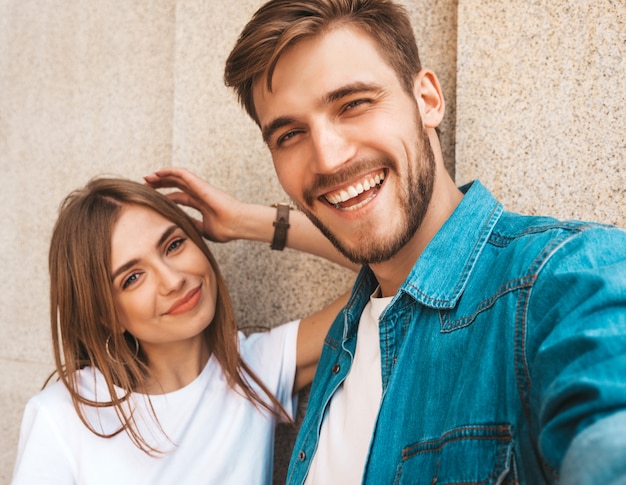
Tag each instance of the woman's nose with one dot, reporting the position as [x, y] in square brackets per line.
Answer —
[170, 279]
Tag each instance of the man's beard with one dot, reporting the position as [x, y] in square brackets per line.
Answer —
[414, 198]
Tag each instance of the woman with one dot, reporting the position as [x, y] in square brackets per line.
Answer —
[155, 383]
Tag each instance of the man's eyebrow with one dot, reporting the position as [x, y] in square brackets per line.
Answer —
[329, 98]
[275, 125]
[134, 261]
[350, 89]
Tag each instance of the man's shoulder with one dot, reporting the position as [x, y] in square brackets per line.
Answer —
[539, 239]
[513, 227]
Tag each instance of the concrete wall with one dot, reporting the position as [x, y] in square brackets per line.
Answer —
[541, 105]
[535, 98]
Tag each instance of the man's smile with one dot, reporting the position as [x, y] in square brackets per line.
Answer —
[357, 194]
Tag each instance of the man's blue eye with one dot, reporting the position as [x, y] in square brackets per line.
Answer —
[355, 103]
[286, 137]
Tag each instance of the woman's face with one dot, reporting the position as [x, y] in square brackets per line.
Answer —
[163, 285]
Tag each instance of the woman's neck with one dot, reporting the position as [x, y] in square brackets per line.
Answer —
[174, 366]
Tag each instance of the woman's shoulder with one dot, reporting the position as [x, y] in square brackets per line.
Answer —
[268, 352]
[268, 341]
[90, 384]
[54, 406]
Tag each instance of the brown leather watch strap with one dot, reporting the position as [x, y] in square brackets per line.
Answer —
[281, 224]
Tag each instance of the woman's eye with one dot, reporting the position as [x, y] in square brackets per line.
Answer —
[174, 245]
[130, 280]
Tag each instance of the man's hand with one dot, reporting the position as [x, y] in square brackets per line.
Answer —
[221, 213]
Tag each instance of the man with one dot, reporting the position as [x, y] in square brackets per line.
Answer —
[478, 346]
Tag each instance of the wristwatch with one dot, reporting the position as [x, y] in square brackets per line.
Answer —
[281, 224]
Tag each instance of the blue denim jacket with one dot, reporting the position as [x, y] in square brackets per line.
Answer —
[506, 341]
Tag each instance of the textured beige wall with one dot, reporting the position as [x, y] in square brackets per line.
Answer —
[541, 100]
[96, 87]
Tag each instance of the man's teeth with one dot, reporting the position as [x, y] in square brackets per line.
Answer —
[355, 190]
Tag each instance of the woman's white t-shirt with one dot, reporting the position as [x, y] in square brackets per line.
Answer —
[216, 436]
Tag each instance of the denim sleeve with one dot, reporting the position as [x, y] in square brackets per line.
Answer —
[598, 454]
[576, 355]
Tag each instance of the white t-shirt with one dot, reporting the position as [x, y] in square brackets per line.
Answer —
[347, 428]
[216, 435]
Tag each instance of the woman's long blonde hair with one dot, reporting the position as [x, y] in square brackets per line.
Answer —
[82, 311]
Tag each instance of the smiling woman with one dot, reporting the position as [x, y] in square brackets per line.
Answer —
[155, 383]
[164, 287]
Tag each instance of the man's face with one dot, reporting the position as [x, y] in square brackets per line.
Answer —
[348, 143]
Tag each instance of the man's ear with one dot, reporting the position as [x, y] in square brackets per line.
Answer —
[429, 97]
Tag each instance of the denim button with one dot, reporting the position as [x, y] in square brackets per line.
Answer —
[335, 368]
[301, 455]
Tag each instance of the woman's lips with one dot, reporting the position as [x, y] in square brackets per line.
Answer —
[186, 303]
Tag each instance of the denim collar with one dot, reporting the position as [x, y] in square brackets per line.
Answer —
[441, 273]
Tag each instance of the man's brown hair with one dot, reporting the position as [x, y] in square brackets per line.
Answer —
[280, 24]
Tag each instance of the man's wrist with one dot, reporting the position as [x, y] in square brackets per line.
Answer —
[281, 225]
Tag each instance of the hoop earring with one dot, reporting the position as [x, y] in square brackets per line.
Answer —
[108, 350]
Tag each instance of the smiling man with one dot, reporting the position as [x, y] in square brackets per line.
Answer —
[478, 346]
[350, 148]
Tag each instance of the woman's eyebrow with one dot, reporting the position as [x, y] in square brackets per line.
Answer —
[167, 233]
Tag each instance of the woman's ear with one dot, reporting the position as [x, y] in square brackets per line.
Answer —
[429, 97]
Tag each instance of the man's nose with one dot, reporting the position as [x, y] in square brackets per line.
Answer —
[331, 147]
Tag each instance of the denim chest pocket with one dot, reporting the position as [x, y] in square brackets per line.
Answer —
[481, 454]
